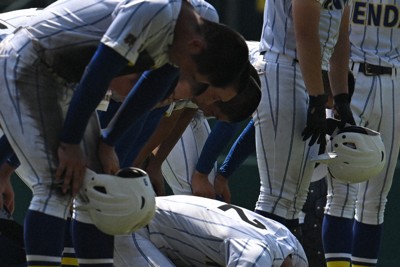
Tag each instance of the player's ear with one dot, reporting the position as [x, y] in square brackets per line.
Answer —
[196, 45]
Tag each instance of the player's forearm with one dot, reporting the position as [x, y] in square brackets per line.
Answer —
[179, 127]
[339, 61]
[306, 24]
[165, 131]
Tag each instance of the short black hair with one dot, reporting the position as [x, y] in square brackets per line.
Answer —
[225, 56]
[242, 106]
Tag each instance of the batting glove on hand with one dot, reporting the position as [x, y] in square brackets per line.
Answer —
[342, 110]
[316, 120]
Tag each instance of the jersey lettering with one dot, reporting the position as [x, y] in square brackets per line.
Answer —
[379, 15]
[242, 215]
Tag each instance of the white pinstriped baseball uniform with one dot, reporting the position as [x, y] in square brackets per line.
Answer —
[195, 231]
[375, 104]
[282, 155]
[374, 39]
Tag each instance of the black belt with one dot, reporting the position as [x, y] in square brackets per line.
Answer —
[264, 52]
[371, 70]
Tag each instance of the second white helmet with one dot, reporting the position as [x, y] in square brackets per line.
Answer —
[119, 204]
[355, 154]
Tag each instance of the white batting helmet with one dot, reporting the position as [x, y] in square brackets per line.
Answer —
[119, 204]
[355, 155]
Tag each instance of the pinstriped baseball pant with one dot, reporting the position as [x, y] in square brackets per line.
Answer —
[33, 104]
[282, 155]
[376, 105]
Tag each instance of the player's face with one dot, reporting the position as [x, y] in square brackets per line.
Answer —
[213, 94]
[199, 89]
[213, 111]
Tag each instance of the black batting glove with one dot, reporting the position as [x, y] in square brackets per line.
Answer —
[316, 120]
[342, 110]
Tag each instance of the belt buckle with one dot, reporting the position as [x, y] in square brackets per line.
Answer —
[367, 70]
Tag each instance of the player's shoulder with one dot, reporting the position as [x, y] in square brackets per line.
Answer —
[205, 10]
[19, 14]
[150, 8]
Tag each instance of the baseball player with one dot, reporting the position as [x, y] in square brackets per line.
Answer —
[358, 209]
[44, 115]
[195, 231]
[299, 40]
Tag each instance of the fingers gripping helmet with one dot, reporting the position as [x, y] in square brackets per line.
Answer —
[355, 154]
[119, 204]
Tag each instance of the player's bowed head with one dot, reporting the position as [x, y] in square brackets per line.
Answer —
[207, 51]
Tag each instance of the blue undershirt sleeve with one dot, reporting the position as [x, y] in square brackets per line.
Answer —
[6, 149]
[244, 145]
[103, 67]
[152, 87]
[220, 136]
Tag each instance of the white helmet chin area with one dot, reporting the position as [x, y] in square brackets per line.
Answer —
[355, 154]
[119, 204]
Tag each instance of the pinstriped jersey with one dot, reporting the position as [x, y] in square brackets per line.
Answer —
[375, 31]
[12, 19]
[130, 27]
[140, 30]
[278, 29]
[205, 232]
[205, 10]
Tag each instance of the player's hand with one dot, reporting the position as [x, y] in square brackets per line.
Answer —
[108, 158]
[221, 187]
[287, 262]
[342, 110]
[71, 169]
[201, 186]
[316, 120]
[6, 190]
